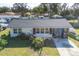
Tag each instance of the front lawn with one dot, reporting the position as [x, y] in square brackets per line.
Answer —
[27, 51]
[50, 51]
[22, 48]
[76, 42]
[77, 30]
[73, 21]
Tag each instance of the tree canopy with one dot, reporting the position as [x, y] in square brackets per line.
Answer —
[4, 9]
[62, 9]
[20, 8]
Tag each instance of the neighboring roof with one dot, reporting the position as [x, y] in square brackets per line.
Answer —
[2, 20]
[57, 16]
[10, 13]
[9, 16]
[49, 23]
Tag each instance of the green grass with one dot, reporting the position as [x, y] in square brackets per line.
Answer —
[50, 51]
[27, 51]
[16, 52]
[77, 30]
[22, 48]
[73, 21]
[5, 32]
[76, 42]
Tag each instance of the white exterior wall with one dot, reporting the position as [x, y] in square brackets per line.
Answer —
[27, 30]
[24, 30]
[12, 34]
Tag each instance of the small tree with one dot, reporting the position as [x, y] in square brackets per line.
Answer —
[37, 44]
[3, 42]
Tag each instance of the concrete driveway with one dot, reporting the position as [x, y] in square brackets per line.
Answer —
[66, 47]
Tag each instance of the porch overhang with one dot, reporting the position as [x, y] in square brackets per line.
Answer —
[42, 35]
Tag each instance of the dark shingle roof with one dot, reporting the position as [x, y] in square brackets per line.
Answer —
[51, 23]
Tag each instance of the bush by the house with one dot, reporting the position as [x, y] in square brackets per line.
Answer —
[3, 42]
[77, 37]
[3, 36]
[74, 36]
[70, 17]
[23, 36]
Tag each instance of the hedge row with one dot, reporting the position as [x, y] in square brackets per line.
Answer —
[76, 37]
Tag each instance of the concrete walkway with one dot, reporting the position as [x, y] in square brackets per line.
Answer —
[66, 47]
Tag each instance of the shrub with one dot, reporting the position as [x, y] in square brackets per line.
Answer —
[77, 37]
[3, 36]
[37, 43]
[74, 36]
[71, 35]
[3, 42]
[24, 36]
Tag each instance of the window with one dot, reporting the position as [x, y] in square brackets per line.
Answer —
[37, 30]
[42, 30]
[34, 30]
[19, 30]
[47, 30]
[15, 30]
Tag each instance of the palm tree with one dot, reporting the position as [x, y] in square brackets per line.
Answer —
[37, 44]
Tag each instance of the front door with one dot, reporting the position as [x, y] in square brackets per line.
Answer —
[57, 33]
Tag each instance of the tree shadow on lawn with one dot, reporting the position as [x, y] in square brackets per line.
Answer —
[15, 43]
[49, 43]
[18, 43]
[61, 43]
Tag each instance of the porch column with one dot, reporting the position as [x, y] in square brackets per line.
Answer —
[66, 33]
[33, 30]
[50, 30]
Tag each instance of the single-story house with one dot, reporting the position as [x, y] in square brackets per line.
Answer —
[56, 28]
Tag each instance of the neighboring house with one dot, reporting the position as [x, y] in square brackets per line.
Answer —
[3, 22]
[56, 28]
[8, 18]
[57, 17]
